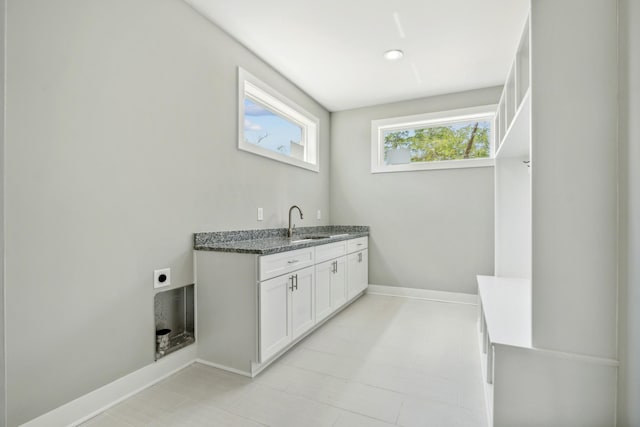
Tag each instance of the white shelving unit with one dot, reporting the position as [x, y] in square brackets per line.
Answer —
[515, 143]
[514, 108]
[506, 303]
[547, 317]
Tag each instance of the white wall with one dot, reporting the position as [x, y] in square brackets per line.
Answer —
[629, 302]
[120, 143]
[429, 229]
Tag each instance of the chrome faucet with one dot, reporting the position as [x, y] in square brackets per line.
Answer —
[290, 231]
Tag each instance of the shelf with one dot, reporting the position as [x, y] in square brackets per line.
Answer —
[516, 139]
[506, 304]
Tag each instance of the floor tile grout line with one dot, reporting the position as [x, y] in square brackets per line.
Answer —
[399, 412]
[377, 386]
[405, 396]
[348, 380]
[329, 404]
[372, 418]
[242, 416]
[226, 410]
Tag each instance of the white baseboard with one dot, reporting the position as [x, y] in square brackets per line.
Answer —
[224, 368]
[91, 404]
[440, 296]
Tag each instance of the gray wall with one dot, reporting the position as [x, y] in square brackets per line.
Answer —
[121, 142]
[629, 305]
[430, 229]
[3, 5]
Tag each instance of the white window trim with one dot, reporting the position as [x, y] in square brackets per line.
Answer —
[429, 119]
[259, 91]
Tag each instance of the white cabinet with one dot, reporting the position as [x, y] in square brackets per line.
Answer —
[251, 307]
[323, 290]
[331, 278]
[331, 286]
[338, 283]
[302, 301]
[341, 279]
[286, 310]
[357, 266]
[358, 277]
[275, 326]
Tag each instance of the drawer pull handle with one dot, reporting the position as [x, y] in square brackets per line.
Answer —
[360, 244]
[293, 261]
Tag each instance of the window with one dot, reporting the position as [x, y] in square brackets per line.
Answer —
[273, 126]
[449, 139]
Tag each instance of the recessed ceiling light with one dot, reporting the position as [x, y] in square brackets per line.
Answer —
[393, 55]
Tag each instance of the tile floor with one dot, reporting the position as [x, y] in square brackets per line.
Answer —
[383, 361]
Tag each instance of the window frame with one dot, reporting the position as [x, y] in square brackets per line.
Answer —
[260, 92]
[378, 127]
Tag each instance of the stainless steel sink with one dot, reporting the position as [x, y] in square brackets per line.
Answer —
[300, 240]
[312, 237]
[309, 239]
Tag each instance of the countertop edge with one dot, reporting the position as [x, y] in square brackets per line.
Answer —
[227, 246]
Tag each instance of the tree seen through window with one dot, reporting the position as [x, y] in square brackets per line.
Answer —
[455, 141]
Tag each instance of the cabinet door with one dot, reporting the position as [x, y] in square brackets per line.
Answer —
[302, 302]
[339, 283]
[357, 273]
[323, 290]
[274, 326]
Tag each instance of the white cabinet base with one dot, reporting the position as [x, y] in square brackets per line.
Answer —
[548, 389]
[529, 386]
[247, 318]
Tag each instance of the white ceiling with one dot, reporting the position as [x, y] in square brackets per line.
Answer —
[332, 49]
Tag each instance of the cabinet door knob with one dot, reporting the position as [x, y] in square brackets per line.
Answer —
[296, 276]
[291, 288]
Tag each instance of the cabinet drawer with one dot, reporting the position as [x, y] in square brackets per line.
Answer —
[284, 262]
[358, 244]
[331, 251]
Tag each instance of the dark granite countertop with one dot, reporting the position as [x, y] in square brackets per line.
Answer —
[274, 240]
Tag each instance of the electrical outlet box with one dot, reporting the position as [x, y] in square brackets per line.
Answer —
[260, 214]
[161, 278]
[319, 215]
